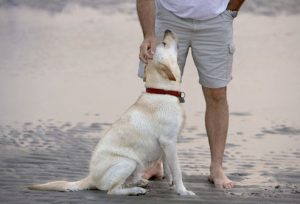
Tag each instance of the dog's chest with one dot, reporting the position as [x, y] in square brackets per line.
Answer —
[150, 118]
[159, 114]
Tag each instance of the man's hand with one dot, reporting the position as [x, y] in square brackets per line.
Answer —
[147, 49]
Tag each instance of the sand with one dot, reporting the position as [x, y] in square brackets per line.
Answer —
[68, 72]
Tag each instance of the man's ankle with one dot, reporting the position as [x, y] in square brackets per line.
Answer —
[215, 165]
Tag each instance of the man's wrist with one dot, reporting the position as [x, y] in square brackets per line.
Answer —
[234, 5]
[151, 35]
[232, 8]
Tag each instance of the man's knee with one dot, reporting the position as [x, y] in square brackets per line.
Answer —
[215, 96]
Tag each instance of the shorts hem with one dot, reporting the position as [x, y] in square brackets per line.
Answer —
[217, 83]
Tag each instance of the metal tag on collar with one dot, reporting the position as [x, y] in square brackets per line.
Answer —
[181, 98]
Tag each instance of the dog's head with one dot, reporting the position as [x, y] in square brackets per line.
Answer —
[163, 69]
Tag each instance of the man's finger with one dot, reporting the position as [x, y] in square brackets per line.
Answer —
[142, 57]
[145, 48]
[143, 53]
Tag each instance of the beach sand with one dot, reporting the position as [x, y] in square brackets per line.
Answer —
[68, 72]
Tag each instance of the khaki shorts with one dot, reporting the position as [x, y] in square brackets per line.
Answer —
[210, 41]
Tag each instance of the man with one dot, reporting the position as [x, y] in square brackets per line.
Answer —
[205, 27]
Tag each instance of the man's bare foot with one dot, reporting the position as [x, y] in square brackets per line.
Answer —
[154, 171]
[219, 179]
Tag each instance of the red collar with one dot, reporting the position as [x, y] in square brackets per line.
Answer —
[178, 94]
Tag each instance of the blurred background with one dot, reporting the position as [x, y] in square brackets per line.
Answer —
[65, 59]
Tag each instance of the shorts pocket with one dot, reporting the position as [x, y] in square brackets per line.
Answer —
[231, 48]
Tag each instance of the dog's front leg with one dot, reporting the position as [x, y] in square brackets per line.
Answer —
[169, 148]
[167, 171]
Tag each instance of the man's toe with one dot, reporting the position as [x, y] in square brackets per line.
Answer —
[229, 185]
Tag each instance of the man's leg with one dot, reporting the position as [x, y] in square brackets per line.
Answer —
[216, 123]
[155, 170]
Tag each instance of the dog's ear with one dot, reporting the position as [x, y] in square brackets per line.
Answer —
[165, 71]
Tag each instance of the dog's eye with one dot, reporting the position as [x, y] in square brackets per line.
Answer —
[164, 44]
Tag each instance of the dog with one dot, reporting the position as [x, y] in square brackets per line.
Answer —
[145, 133]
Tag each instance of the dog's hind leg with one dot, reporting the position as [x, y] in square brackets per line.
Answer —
[136, 179]
[115, 177]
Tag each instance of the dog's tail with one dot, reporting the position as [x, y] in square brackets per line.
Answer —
[83, 184]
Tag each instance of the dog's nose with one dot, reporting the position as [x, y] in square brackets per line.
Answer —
[169, 33]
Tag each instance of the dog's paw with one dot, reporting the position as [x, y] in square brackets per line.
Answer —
[142, 183]
[186, 193]
[138, 191]
[171, 184]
